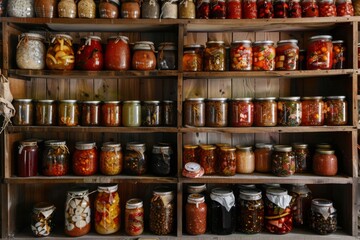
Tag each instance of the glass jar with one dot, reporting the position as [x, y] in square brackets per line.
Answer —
[150, 9]
[89, 55]
[117, 53]
[20, 8]
[24, 112]
[301, 202]
[67, 9]
[325, 162]
[216, 112]
[161, 160]
[338, 54]
[107, 210]
[283, 161]
[265, 9]
[336, 111]
[217, 9]
[233, 9]
[135, 159]
[265, 112]
[327, 8]
[134, 217]
[109, 8]
[187, 9]
[241, 112]
[222, 211]
[169, 113]
[42, 223]
[30, 51]
[287, 55]
[55, 158]
[169, 9]
[130, 10]
[250, 211]
[194, 111]
[111, 158]
[68, 113]
[162, 211]
[196, 214]
[302, 59]
[85, 159]
[214, 56]
[245, 159]
[310, 8]
[190, 154]
[263, 153]
[344, 8]
[323, 216]
[60, 54]
[302, 157]
[319, 54]
[77, 213]
[289, 111]
[131, 114]
[45, 113]
[202, 9]
[198, 48]
[192, 62]
[144, 56]
[207, 159]
[264, 56]
[312, 111]
[241, 56]
[295, 9]
[27, 160]
[278, 215]
[249, 9]
[86, 9]
[111, 113]
[90, 113]
[227, 161]
[280, 9]
[167, 56]
[151, 113]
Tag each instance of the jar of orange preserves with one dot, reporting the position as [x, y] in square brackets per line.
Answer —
[144, 56]
[111, 114]
[287, 55]
[263, 154]
[196, 214]
[117, 53]
[111, 158]
[60, 54]
[134, 217]
[325, 162]
[312, 111]
[85, 159]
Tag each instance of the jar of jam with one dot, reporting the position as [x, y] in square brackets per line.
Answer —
[289, 111]
[263, 56]
[281, 8]
[107, 210]
[323, 216]
[67, 9]
[265, 9]
[167, 56]
[111, 113]
[60, 54]
[151, 113]
[295, 9]
[192, 62]
[336, 110]
[233, 9]
[135, 159]
[130, 10]
[109, 8]
[161, 160]
[131, 114]
[338, 54]
[144, 56]
[42, 223]
[241, 55]
[227, 161]
[216, 112]
[85, 159]
[190, 154]
[214, 56]
[249, 9]
[90, 113]
[194, 111]
[77, 213]
[117, 53]
[86, 9]
[325, 162]
[30, 51]
[187, 9]
[21, 9]
[263, 153]
[283, 161]
[217, 9]
[134, 217]
[196, 214]
[162, 211]
[169, 113]
[312, 111]
[89, 55]
[202, 9]
[111, 158]
[55, 158]
[301, 202]
[222, 211]
[45, 9]
[310, 8]
[241, 112]
[150, 9]
[68, 113]
[278, 215]
[287, 55]
[302, 157]
[24, 112]
[320, 53]
[27, 161]
[245, 159]
[327, 8]
[45, 113]
[250, 211]
[207, 159]
[265, 112]
[344, 8]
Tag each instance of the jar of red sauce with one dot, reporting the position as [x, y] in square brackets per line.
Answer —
[265, 112]
[325, 162]
[90, 113]
[130, 10]
[265, 9]
[338, 54]
[320, 53]
[227, 161]
[263, 154]
[241, 55]
[109, 8]
[344, 8]
[294, 10]
[190, 154]
[312, 111]
[281, 8]
[327, 8]
[241, 112]
[233, 9]
[287, 55]
[27, 162]
[208, 159]
[134, 217]
[192, 62]
[203, 9]
[55, 158]
[89, 55]
[217, 9]
[111, 113]
[196, 214]
[117, 53]
[336, 111]
[263, 56]
[144, 56]
[310, 8]
[249, 9]
[85, 159]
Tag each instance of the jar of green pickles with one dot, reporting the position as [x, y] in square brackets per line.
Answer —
[289, 111]
[215, 56]
[131, 114]
[24, 110]
[45, 114]
[68, 113]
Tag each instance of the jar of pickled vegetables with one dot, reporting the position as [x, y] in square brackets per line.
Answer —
[295, 9]
[196, 214]
[67, 9]
[144, 56]
[302, 157]
[192, 61]
[42, 223]
[301, 202]
[130, 10]
[327, 8]
[109, 8]
[289, 111]
[319, 54]
[89, 55]
[265, 112]
[20, 8]
[313, 111]
[30, 51]
[169, 113]
[263, 56]
[111, 113]
[280, 8]
[216, 112]
[85, 159]
[323, 216]
[24, 112]
[344, 8]
[241, 55]
[250, 211]
[90, 113]
[117, 53]
[310, 8]
[222, 211]
[287, 55]
[45, 113]
[283, 161]
[338, 54]
[161, 160]
[241, 112]
[187, 9]
[265, 9]
[151, 113]
[169, 9]
[325, 162]
[190, 154]
[60, 54]
[217, 9]
[194, 111]
[207, 159]
[135, 159]
[167, 56]
[227, 161]
[336, 110]
[202, 9]
[150, 9]
[27, 159]
[111, 158]
[55, 158]
[68, 113]
[233, 9]
[131, 114]
[107, 210]
[245, 159]
[214, 56]
[198, 48]
[249, 9]
[134, 217]
[86, 9]
[263, 153]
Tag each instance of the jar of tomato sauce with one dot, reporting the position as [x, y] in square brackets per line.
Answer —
[85, 159]
[302, 157]
[130, 10]
[263, 153]
[68, 113]
[281, 8]
[310, 8]
[134, 217]
[319, 54]
[192, 61]
[214, 56]
[135, 159]
[344, 8]
[241, 55]
[45, 112]
[208, 159]
[60, 54]
[194, 111]
[294, 10]
[233, 9]
[202, 9]
[249, 9]
[89, 55]
[196, 214]
[338, 54]
[144, 56]
[227, 161]
[109, 8]
[241, 112]
[327, 8]
[301, 202]
[263, 56]
[55, 158]
[117, 53]
[265, 9]
[27, 161]
[287, 55]
[289, 111]
[24, 112]
[111, 158]
[245, 159]
[217, 9]
[216, 112]
[325, 162]
[111, 113]
[312, 111]
[265, 112]
[90, 113]
[336, 111]
[283, 161]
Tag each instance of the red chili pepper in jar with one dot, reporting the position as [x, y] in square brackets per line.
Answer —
[281, 8]
[327, 8]
[344, 8]
[217, 9]
[233, 8]
[309, 8]
[203, 9]
[319, 54]
[294, 10]
[265, 9]
[249, 9]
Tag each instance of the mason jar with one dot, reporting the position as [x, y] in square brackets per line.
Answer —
[222, 211]
[55, 158]
[131, 114]
[20, 8]
[111, 158]
[287, 55]
[227, 161]
[327, 8]
[24, 112]
[111, 113]
[27, 158]
[187, 9]
[196, 214]
[85, 159]
[42, 222]
[86, 9]
[217, 9]
[241, 56]
[245, 159]
[283, 161]
[144, 58]
[169, 113]
[89, 56]
[45, 112]
[45, 8]
[60, 54]
[90, 113]
[203, 9]
[249, 9]
[280, 8]
[117, 53]
[265, 9]
[216, 112]
[339, 54]
[241, 112]
[150, 9]
[134, 217]
[214, 56]
[151, 113]
[301, 202]
[67, 9]
[323, 216]
[194, 112]
[169, 9]
[263, 154]
[30, 51]
[320, 53]
[313, 111]
[289, 111]
[302, 157]
[250, 211]
[167, 56]
[68, 113]
[336, 113]
[135, 159]
[325, 162]
[190, 154]
[264, 56]
[265, 112]
[162, 160]
[109, 8]
[192, 61]
[207, 159]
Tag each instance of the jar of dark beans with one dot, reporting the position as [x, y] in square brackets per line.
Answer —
[161, 160]
[323, 217]
[222, 211]
[135, 159]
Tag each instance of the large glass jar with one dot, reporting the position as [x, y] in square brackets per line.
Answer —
[338, 54]
[222, 211]
[289, 111]
[134, 217]
[336, 111]
[111, 113]
[135, 159]
[161, 160]
[263, 56]
[192, 61]
[89, 55]
[130, 10]
[312, 111]
[327, 8]
[196, 214]
[169, 113]
[20, 8]
[202, 9]
[214, 56]
[45, 113]
[187, 9]
[55, 158]
[131, 114]
[250, 211]
[265, 9]
[85, 159]
[190, 154]
[295, 9]
[325, 162]
[249, 9]
[310, 8]
[217, 9]
[227, 161]
[169, 9]
[109, 8]
[319, 53]
[287, 55]
[162, 211]
[323, 216]
[263, 153]
[245, 159]
[144, 56]
[150, 9]
[86, 9]
[283, 161]
[24, 112]
[233, 9]
[241, 112]
[216, 112]
[194, 111]
[302, 157]
[111, 158]
[90, 113]
[207, 159]
[265, 112]
[117, 53]
[67, 9]
[77, 213]
[107, 210]
[27, 160]
[60, 54]
[241, 55]
[151, 113]
[68, 113]
[344, 8]
[167, 56]
[280, 8]
[42, 223]
[301, 202]
[30, 51]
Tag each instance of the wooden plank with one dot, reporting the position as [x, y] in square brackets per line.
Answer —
[82, 89]
[129, 89]
[105, 89]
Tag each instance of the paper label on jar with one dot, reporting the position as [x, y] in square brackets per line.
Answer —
[227, 201]
[48, 212]
[281, 201]
[324, 211]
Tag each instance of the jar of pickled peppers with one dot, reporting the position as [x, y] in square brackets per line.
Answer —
[287, 55]
[344, 8]
[194, 112]
[233, 9]
[241, 112]
[55, 158]
[216, 112]
[85, 159]
[226, 160]
[202, 9]
[214, 56]
[338, 54]
[134, 217]
[241, 55]
[68, 113]
[111, 158]
[319, 54]
[265, 112]
[336, 110]
[196, 214]
[135, 159]
[280, 8]
[295, 9]
[327, 8]
[207, 159]
[310, 8]
[289, 111]
[249, 9]
[265, 9]
[111, 113]
[217, 9]
[312, 111]
[283, 161]
[263, 56]
[60, 54]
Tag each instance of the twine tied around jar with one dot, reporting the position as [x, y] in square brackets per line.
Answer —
[7, 110]
[74, 196]
[122, 38]
[152, 2]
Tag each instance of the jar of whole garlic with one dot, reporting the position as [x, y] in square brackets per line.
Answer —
[60, 54]
[42, 219]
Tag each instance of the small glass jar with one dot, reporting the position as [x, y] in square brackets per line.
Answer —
[187, 9]
[67, 9]
[265, 112]
[135, 159]
[283, 161]
[131, 114]
[24, 112]
[344, 8]
[312, 111]
[144, 56]
[281, 8]
[214, 56]
[68, 113]
[222, 211]
[134, 217]
[42, 223]
[194, 111]
[287, 55]
[192, 61]
[336, 111]
[111, 113]
[109, 8]
[302, 157]
[45, 113]
[217, 9]
[241, 56]
[190, 154]
[289, 111]
[150, 9]
[130, 10]
[86, 9]
[27, 160]
[161, 160]
[30, 51]
[338, 54]
[245, 159]
[250, 211]
[111, 158]
[241, 112]
[85, 159]
[196, 214]
[327, 8]
[207, 159]
[107, 210]
[169, 9]
[263, 153]
[117, 53]
[45, 8]
[60, 54]
[55, 158]
[323, 216]
[233, 9]
[295, 9]
[89, 55]
[90, 113]
[325, 162]
[310, 8]
[216, 112]
[301, 202]
[169, 113]
[77, 213]
[167, 56]
[20, 8]
[227, 161]
[265, 9]
[319, 53]
[264, 56]
[202, 9]
[249, 9]
[151, 113]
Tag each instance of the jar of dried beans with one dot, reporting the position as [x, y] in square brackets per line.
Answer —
[263, 56]
[216, 112]
[214, 56]
[319, 54]
[250, 211]
[90, 113]
[323, 216]
[313, 113]
[151, 114]
[55, 158]
[161, 160]
[289, 111]
[310, 8]
[265, 112]
[111, 158]
[45, 113]
[144, 56]
[265, 9]
[194, 111]
[86, 9]
[245, 159]
[207, 159]
[68, 113]
[338, 54]
[283, 161]
[196, 214]
[202, 9]
[117, 53]
[302, 157]
[60, 54]
[222, 211]
[134, 217]
[227, 161]
[167, 56]
[42, 222]
[150, 9]
[111, 113]
[336, 110]
[109, 8]
[249, 9]
[30, 51]
[27, 159]
[294, 10]
[24, 112]
[135, 159]
[241, 112]
[301, 202]
[287, 55]
[263, 153]
[85, 159]
[327, 8]
[344, 8]
[241, 55]
[325, 162]
[281, 8]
